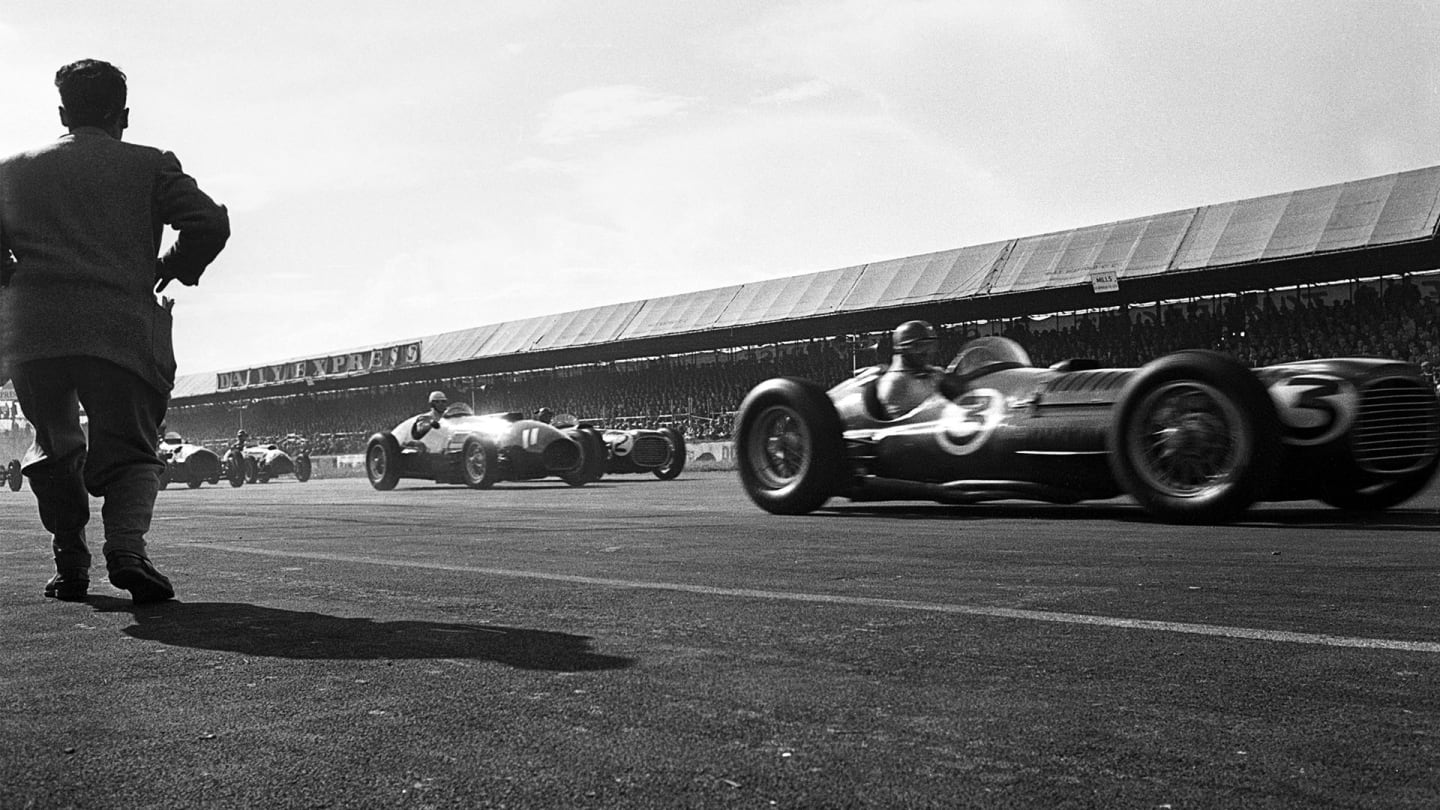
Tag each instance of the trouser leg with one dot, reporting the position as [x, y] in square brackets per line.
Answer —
[56, 459]
[122, 466]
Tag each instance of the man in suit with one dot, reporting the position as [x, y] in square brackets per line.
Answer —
[81, 220]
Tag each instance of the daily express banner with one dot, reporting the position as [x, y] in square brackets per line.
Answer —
[382, 359]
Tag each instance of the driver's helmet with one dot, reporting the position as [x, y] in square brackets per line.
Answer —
[544, 415]
[915, 341]
[171, 437]
[438, 400]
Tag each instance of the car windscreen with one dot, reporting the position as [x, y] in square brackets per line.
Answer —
[986, 354]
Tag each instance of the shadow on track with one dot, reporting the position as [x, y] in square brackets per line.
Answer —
[275, 633]
[1399, 519]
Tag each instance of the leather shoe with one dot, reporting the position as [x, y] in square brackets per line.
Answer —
[68, 585]
[135, 574]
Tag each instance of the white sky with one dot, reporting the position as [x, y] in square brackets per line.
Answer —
[394, 170]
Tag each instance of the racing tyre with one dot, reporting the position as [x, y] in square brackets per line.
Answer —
[235, 473]
[252, 470]
[789, 445]
[12, 474]
[1383, 495]
[1195, 438]
[302, 469]
[675, 464]
[382, 462]
[194, 481]
[592, 458]
[479, 462]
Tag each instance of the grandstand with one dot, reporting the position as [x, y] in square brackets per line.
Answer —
[1351, 268]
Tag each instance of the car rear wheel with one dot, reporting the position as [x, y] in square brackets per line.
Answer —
[302, 469]
[12, 475]
[479, 463]
[789, 445]
[194, 481]
[675, 464]
[1380, 496]
[1195, 438]
[235, 472]
[592, 458]
[382, 462]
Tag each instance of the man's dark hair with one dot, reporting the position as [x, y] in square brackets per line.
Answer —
[92, 92]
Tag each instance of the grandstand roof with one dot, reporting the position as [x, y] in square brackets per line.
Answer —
[1293, 237]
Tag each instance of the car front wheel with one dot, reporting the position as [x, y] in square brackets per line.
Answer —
[1195, 438]
[675, 463]
[789, 445]
[479, 463]
[382, 462]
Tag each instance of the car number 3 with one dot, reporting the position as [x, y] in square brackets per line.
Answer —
[968, 422]
[1315, 408]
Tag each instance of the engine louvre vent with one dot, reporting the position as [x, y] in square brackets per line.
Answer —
[650, 451]
[1397, 428]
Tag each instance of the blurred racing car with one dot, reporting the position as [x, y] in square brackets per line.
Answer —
[10, 475]
[461, 447]
[1194, 437]
[191, 464]
[264, 462]
[661, 452]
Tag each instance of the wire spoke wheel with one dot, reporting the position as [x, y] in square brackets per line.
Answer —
[780, 450]
[1188, 439]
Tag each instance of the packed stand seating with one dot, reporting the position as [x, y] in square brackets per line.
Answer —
[699, 394]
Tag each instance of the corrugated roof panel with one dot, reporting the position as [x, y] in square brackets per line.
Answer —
[1302, 222]
[944, 275]
[1356, 213]
[1119, 244]
[456, 346]
[1203, 235]
[689, 312]
[783, 299]
[1251, 225]
[588, 326]
[897, 281]
[1030, 262]
[514, 337]
[195, 385]
[1411, 211]
[1158, 244]
[1076, 263]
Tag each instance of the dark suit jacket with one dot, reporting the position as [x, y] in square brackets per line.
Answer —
[83, 218]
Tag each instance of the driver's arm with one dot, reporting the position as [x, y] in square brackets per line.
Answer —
[950, 385]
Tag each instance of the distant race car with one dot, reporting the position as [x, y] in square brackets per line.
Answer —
[479, 450]
[191, 464]
[661, 452]
[10, 475]
[264, 462]
[1194, 436]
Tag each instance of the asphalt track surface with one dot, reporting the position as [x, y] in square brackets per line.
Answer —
[638, 643]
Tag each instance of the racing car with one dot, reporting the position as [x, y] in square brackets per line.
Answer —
[461, 447]
[661, 452]
[191, 463]
[1194, 436]
[264, 462]
[10, 475]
